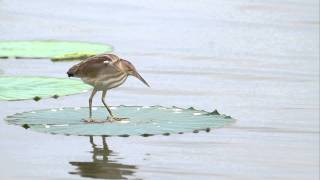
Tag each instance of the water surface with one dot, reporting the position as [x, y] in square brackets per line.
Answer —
[255, 60]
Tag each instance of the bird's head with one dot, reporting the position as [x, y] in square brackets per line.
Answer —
[128, 67]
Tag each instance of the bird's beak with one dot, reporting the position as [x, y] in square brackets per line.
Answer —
[137, 75]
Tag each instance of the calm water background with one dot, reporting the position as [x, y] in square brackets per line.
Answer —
[257, 61]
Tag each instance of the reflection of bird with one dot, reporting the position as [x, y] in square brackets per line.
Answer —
[101, 167]
[104, 72]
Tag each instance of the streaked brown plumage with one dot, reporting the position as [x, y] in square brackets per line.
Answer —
[104, 72]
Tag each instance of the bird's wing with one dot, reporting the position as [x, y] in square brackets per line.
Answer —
[106, 58]
[92, 66]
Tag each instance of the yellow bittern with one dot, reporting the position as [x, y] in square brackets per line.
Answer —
[104, 72]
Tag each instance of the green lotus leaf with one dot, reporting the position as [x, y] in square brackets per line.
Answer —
[20, 88]
[73, 56]
[144, 121]
[50, 49]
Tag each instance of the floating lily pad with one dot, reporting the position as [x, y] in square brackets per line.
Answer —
[19, 88]
[73, 56]
[144, 121]
[50, 49]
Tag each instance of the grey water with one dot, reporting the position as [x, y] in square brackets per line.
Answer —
[257, 61]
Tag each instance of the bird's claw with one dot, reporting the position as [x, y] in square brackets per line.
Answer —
[89, 120]
[111, 119]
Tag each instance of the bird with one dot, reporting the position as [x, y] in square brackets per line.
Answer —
[104, 72]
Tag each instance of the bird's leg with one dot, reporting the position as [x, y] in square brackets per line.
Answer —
[94, 91]
[105, 105]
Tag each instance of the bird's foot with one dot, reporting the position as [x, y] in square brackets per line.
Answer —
[109, 119]
[89, 120]
[112, 119]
